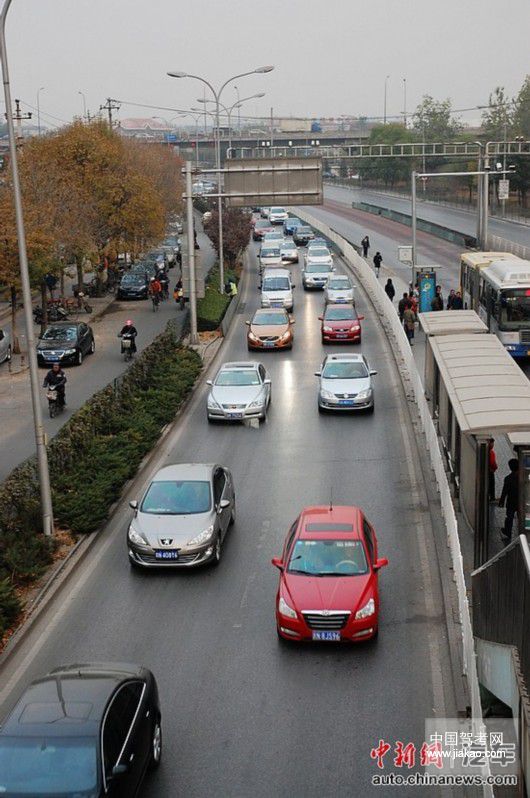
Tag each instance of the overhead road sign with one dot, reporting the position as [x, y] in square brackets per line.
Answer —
[273, 181]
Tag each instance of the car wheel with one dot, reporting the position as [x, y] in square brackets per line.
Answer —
[156, 746]
[79, 358]
[92, 347]
[216, 557]
[8, 356]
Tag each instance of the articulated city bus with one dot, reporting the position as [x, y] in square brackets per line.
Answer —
[504, 303]
[471, 264]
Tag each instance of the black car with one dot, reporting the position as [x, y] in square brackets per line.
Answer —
[65, 342]
[82, 731]
[302, 235]
[133, 285]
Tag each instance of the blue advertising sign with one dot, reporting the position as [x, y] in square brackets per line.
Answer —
[427, 286]
[170, 137]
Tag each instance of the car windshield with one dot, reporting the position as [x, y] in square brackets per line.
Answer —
[328, 558]
[238, 377]
[349, 370]
[276, 284]
[289, 245]
[264, 317]
[339, 284]
[177, 497]
[321, 252]
[277, 210]
[60, 334]
[262, 223]
[134, 279]
[51, 766]
[270, 253]
[316, 268]
[340, 314]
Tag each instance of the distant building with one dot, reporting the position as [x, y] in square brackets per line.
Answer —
[153, 129]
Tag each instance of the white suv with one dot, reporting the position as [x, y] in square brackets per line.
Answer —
[277, 289]
[278, 215]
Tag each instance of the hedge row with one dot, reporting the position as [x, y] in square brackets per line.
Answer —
[91, 458]
[212, 307]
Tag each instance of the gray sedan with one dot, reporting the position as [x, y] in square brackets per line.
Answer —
[239, 391]
[346, 383]
[339, 290]
[5, 346]
[182, 519]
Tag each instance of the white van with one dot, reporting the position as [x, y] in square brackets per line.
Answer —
[270, 255]
[277, 289]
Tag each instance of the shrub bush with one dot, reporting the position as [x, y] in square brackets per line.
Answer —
[91, 458]
[212, 307]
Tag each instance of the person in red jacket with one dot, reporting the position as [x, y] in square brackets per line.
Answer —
[492, 467]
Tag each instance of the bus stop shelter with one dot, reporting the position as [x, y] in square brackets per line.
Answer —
[477, 391]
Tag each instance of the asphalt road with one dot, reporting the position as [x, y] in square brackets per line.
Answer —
[455, 218]
[97, 370]
[242, 714]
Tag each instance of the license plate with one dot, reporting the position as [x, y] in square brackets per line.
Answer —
[346, 402]
[166, 555]
[268, 344]
[342, 335]
[235, 415]
[52, 357]
[340, 301]
[276, 304]
[328, 636]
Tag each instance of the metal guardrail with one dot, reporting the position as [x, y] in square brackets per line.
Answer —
[498, 244]
[501, 601]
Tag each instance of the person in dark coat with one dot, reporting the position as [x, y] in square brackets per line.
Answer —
[390, 291]
[402, 304]
[510, 498]
[457, 303]
[365, 244]
[438, 300]
[378, 259]
[450, 299]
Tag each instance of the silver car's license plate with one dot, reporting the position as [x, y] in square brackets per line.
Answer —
[235, 415]
[166, 554]
[328, 636]
[347, 402]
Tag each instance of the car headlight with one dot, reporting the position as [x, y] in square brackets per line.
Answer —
[355, 328]
[69, 351]
[265, 301]
[285, 609]
[212, 402]
[326, 394]
[253, 337]
[202, 537]
[366, 611]
[285, 336]
[364, 394]
[327, 329]
[136, 537]
[257, 403]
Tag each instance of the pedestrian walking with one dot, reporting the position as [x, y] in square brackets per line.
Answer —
[378, 259]
[413, 302]
[365, 244]
[402, 304]
[390, 291]
[450, 299]
[409, 319]
[510, 497]
[438, 300]
[492, 467]
[457, 303]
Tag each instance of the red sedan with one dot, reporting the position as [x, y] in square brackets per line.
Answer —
[328, 588]
[341, 323]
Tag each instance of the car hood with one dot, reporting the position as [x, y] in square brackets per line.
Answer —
[178, 528]
[339, 324]
[235, 395]
[339, 293]
[274, 296]
[352, 387]
[60, 343]
[326, 592]
[263, 330]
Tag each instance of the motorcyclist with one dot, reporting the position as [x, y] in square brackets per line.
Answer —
[131, 332]
[155, 289]
[163, 279]
[55, 379]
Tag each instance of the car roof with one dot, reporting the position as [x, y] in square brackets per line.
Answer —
[277, 311]
[346, 357]
[69, 700]
[178, 471]
[276, 273]
[327, 519]
[241, 364]
[339, 306]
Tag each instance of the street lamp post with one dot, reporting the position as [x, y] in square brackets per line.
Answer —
[42, 455]
[84, 104]
[217, 97]
[229, 110]
[384, 107]
[38, 107]
[405, 102]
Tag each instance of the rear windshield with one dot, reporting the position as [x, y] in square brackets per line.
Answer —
[319, 253]
[270, 253]
[316, 268]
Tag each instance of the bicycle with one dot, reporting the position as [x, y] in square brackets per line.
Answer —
[155, 299]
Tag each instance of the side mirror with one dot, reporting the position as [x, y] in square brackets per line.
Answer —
[372, 373]
[119, 770]
[293, 286]
[267, 381]
[277, 562]
[133, 505]
[321, 318]
[361, 318]
[223, 504]
[247, 323]
[380, 563]
[318, 373]
[209, 382]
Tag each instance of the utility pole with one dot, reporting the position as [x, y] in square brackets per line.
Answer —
[18, 116]
[110, 106]
[272, 127]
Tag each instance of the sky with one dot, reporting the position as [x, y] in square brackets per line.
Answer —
[330, 57]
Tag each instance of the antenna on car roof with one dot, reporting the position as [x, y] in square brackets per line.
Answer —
[331, 498]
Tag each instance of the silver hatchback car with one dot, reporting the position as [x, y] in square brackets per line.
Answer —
[339, 290]
[183, 517]
[346, 383]
[240, 391]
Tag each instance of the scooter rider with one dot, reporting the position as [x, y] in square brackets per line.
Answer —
[130, 331]
[155, 289]
[55, 379]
